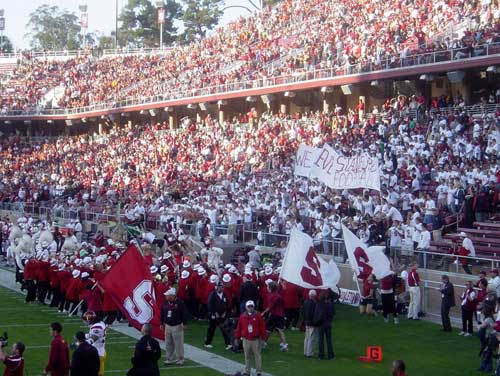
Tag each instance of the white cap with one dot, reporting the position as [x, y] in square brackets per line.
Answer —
[196, 266]
[153, 269]
[76, 273]
[226, 278]
[250, 303]
[184, 274]
[87, 260]
[201, 271]
[78, 262]
[268, 281]
[186, 264]
[228, 266]
[214, 278]
[268, 271]
[85, 275]
[462, 234]
[163, 268]
[170, 291]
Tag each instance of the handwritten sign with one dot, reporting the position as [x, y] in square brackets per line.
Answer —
[337, 171]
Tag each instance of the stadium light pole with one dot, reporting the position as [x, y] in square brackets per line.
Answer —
[161, 19]
[2, 28]
[116, 24]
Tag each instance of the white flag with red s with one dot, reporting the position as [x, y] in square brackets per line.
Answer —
[303, 267]
[365, 260]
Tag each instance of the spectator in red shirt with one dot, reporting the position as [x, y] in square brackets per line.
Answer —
[291, 294]
[276, 314]
[368, 298]
[414, 284]
[469, 303]
[58, 364]
[251, 329]
[14, 364]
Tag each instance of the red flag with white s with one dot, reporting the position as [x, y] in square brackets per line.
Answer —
[130, 284]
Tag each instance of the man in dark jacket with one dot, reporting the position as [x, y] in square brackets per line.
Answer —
[218, 308]
[85, 361]
[447, 302]
[146, 355]
[323, 317]
[248, 291]
[311, 334]
[173, 320]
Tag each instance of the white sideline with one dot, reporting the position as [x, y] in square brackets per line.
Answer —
[202, 357]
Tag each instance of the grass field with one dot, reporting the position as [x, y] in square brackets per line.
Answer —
[30, 324]
[426, 350]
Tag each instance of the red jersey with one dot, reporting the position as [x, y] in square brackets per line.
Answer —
[64, 278]
[54, 278]
[413, 278]
[368, 289]
[93, 299]
[291, 296]
[250, 327]
[43, 271]
[276, 304]
[58, 364]
[14, 366]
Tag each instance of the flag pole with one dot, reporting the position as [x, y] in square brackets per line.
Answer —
[81, 301]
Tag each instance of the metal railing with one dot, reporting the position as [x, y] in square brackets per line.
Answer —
[299, 75]
[135, 51]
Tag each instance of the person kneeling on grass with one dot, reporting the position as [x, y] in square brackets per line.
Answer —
[251, 330]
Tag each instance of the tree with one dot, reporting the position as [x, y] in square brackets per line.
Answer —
[52, 28]
[139, 23]
[106, 41]
[199, 17]
[7, 46]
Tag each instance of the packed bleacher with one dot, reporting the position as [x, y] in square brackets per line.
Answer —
[437, 172]
[279, 42]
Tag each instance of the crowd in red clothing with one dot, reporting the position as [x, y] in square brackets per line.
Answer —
[278, 42]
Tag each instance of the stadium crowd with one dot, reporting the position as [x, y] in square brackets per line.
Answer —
[232, 176]
[235, 175]
[278, 42]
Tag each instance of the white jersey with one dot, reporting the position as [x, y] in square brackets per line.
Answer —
[97, 337]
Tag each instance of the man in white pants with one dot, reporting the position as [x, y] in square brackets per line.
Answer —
[414, 285]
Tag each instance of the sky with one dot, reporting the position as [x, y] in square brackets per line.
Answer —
[101, 15]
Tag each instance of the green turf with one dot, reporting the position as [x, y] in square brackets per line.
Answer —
[426, 350]
[29, 323]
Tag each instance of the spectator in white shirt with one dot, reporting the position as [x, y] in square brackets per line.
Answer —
[424, 243]
[394, 214]
[430, 205]
[467, 244]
